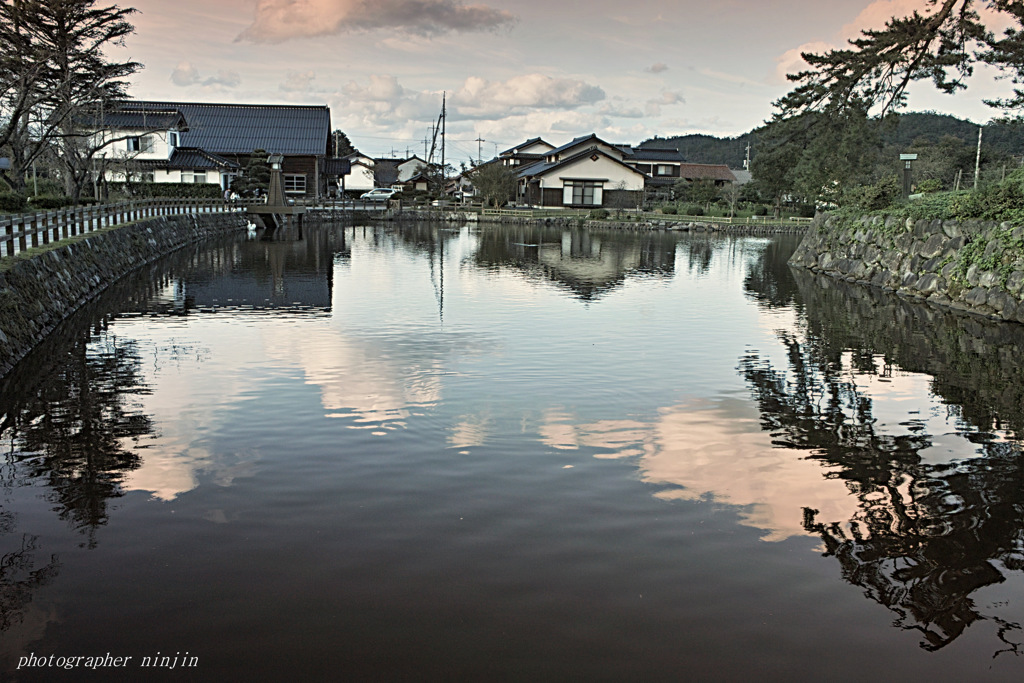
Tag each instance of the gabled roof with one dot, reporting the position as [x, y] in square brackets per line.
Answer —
[574, 142]
[242, 128]
[335, 166]
[132, 115]
[531, 141]
[543, 168]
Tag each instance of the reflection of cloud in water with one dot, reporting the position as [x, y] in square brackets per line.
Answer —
[183, 392]
[470, 431]
[719, 449]
[715, 449]
[370, 379]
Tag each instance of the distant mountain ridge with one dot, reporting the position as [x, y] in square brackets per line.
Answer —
[1006, 137]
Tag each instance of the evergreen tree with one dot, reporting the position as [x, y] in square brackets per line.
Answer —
[62, 82]
[941, 44]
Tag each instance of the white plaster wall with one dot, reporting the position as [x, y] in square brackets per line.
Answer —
[603, 169]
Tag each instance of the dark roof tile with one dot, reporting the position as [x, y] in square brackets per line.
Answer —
[242, 128]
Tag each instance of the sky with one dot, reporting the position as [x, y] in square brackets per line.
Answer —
[510, 70]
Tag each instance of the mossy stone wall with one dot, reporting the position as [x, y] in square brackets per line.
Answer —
[37, 293]
[975, 266]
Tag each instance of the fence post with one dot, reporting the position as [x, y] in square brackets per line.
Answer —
[9, 232]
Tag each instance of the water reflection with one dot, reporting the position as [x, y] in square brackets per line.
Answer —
[939, 508]
[285, 275]
[588, 263]
[74, 431]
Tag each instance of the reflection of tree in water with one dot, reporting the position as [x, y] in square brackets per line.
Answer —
[699, 255]
[68, 430]
[769, 279]
[927, 536]
[19, 579]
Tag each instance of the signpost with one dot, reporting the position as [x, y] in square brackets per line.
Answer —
[907, 159]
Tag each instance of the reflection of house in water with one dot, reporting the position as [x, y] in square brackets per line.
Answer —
[587, 262]
[284, 275]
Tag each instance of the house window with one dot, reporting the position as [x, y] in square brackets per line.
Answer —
[148, 177]
[584, 192]
[172, 138]
[140, 143]
[664, 169]
[295, 184]
[193, 176]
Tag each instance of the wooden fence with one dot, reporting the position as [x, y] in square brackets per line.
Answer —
[20, 232]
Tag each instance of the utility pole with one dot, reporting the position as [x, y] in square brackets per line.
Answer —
[479, 150]
[444, 114]
[746, 162]
[977, 159]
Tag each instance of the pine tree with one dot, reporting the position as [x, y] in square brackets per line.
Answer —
[62, 82]
[943, 44]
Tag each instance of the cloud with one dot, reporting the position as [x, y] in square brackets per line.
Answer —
[186, 74]
[791, 61]
[480, 98]
[668, 97]
[279, 20]
[228, 79]
[658, 68]
[297, 81]
[621, 111]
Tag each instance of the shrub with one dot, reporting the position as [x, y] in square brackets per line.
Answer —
[12, 201]
[48, 202]
[761, 210]
[167, 190]
[929, 186]
[598, 214]
[670, 210]
[694, 210]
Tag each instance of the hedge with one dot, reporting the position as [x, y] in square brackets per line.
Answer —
[168, 190]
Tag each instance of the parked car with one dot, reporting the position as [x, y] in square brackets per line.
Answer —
[380, 194]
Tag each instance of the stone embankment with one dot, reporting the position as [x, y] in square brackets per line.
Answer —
[975, 266]
[569, 222]
[37, 293]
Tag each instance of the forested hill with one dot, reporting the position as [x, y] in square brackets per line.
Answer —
[706, 149]
[1002, 138]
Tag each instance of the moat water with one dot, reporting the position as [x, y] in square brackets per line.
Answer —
[432, 453]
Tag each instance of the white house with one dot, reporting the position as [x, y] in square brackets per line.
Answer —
[360, 176]
[144, 144]
[585, 173]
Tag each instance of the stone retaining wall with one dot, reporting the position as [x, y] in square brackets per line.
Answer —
[680, 226]
[976, 266]
[37, 293]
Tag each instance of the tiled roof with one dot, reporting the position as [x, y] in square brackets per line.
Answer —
[145, 118]
[545, 167]
[656, 155]
[190, 158]
[242, 128]
[334, 167]
[575, 141]
[529, 142]
[706, 172]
